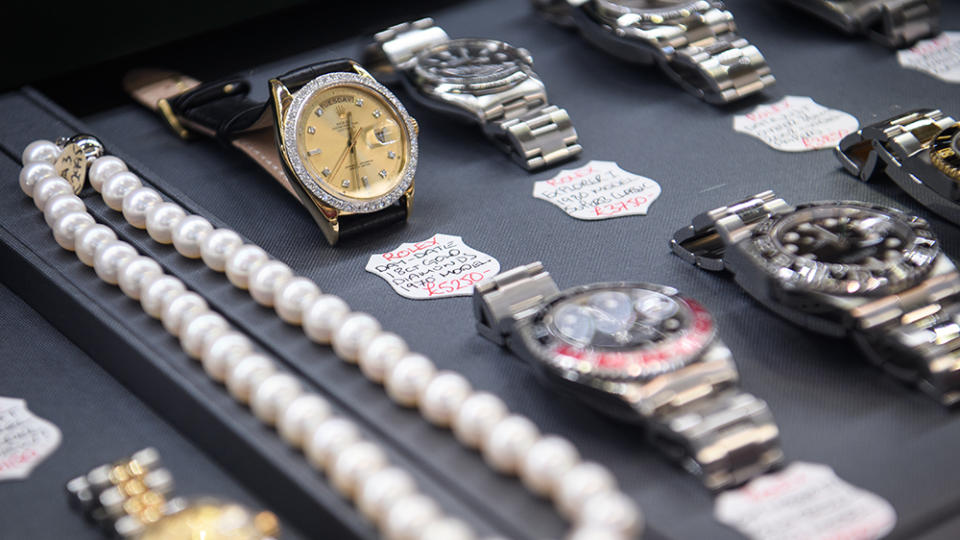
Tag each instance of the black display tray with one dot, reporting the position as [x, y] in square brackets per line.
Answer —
[832, 407]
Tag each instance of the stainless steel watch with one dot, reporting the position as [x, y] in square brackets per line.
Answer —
[481, 80]
[894, 23]
[843, 268]
[694, 41]
[919, 151]
[641, 353]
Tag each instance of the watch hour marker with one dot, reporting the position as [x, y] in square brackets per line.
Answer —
[383, 173]
[391, 154]
[319, 111]
[325, 172]
[311, 130]
[314, 152]
[376, 113]
[359, 102]
[365, 181]
[345, 183]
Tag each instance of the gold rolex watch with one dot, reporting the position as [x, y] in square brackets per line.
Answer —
[332, 135]
[131, 499]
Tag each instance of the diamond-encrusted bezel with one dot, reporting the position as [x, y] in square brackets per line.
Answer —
[636, 364]
[314, 185]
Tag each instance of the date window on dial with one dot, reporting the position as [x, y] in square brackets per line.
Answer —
[383, 134]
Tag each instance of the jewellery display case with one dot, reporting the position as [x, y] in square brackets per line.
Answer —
[831, 405]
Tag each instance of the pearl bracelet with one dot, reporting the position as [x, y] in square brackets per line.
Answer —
[585, 493]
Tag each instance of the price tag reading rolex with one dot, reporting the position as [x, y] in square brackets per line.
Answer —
[599, 190]
[438, 267]
[938, 57]
[796, 124]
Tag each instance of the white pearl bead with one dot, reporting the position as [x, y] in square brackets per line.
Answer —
[476, 418]
[409, 516]
[103, 168]
[108, 258]
[241, 262]
[88, 240]
[323, 317]
[613, 510]
[595, 533]
[443, 397]
[508, 442]
[40, 151]
[272, 395]
[292, 296]
[302, 416]
[181, 307]
[265, 278]
[160, 220]
[546, 461]
[49, 187]
[223, 352]
[354, 464]
[201, 329]
[66, 228]
[582, 481]
[33, 173]
[217, 246]
[355, 330]
[132, 272]
[447, 529]
[188, 235]
[247, 374]
[136, 203]
[381, 489]
[115, 188]
[153, 292]
[61, 205]
[328, 439]
[406, 381]
[378, 355]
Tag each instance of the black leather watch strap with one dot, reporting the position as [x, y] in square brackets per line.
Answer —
[295, 79]
[354, 225]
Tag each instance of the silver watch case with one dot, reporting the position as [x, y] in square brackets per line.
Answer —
[476, 99]
[639, 381]
[805, 293]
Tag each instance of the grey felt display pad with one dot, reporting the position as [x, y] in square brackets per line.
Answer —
[832, 407]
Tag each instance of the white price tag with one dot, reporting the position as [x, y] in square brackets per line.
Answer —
[805, 501]
[438, 267]
[939, 57]
[599, 190]
[25, 439]
[796, 124]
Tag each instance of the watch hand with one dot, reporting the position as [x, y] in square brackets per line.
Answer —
[346, 151]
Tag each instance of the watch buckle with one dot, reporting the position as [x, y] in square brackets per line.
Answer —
[166, 111]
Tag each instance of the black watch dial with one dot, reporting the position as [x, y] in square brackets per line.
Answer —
[619, 331]
[476, 64]
[846, 248]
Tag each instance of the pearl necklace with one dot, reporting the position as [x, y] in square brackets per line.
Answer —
[586, 493]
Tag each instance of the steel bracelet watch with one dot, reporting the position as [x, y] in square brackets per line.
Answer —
[894, 23]
[131, 499]
[919, 151]
[332, 135]
[484, 81]
[694, 41]
[843, 268]
[641, 353]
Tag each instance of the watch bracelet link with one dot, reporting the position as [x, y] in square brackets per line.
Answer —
[708, 58]
[870, 150]
[126, 496]
[704, 242]
[904, 22]
[696, 415]
[533, 132]
[915, 335]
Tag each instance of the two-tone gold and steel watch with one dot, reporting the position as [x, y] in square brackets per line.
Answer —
[331, 134]
[130, 498]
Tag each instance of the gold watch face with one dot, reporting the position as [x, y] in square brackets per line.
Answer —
[210, 520]
[350, 142]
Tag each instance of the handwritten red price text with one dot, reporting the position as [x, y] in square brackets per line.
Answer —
[827, 139]
[18, 459]
[424, 265]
